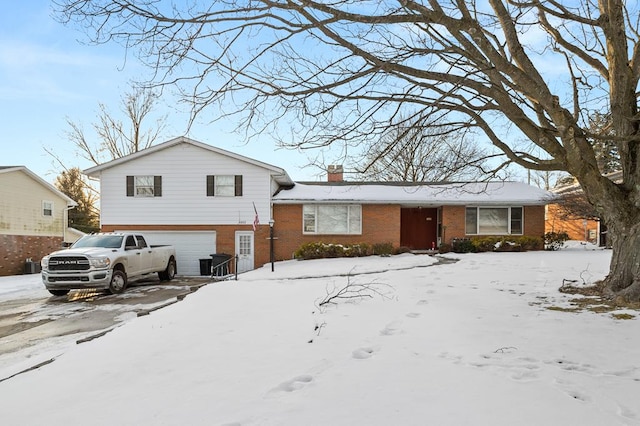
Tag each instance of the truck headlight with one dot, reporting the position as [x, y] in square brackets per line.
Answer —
[100, 262]
[44, 262]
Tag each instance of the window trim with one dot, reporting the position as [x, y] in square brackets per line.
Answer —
[316, 206]
[509, 220]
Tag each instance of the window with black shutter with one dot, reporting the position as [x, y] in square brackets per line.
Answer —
[144, 186]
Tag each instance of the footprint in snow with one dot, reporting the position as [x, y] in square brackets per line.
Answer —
[391, 329]
[363, 353]
[294, 384]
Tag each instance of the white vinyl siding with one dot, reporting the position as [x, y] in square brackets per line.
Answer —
[336, 219]
[494, 220]
[184, 169]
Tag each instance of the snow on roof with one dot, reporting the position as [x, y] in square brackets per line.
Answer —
[424, 194]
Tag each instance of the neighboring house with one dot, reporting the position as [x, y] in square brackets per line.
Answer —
[417, 216]
[201, 199]
[33, 218]
[572, 214]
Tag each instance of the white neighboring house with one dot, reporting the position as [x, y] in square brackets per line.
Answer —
[199, 198]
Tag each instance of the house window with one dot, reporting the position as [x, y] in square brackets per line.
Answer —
[47, 208]
[332, 219]
[224, 186]
[144, 186]
[494, 220]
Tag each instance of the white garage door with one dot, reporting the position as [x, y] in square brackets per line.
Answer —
[191, 246]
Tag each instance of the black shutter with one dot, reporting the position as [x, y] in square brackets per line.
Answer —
[130, 187]
[210, 191]
[238, 186]
[157, 186]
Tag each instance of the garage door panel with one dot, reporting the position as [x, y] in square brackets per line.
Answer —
[191, 246]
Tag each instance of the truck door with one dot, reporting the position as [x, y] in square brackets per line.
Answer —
[134, 257]
[147, 258]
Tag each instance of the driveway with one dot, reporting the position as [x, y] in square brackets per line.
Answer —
[28, 323]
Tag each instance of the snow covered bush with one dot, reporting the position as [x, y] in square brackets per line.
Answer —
[555, 240]
[319, 250]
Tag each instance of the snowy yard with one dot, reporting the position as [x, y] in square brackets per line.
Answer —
[467, 343]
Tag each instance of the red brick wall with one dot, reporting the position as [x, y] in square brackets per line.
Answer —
[380, 224]
[575, 228]
[15, 249]
[453, 222]
[534, 221]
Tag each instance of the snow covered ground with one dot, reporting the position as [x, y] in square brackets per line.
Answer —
[466, 343]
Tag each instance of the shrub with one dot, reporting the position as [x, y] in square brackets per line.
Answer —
[508, 245]
[318, 250]
[463, 245]
[531, 243]
[483, 244]
[382, 249]
[555, 240]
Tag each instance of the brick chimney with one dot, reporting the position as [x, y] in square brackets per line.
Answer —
[334, 173]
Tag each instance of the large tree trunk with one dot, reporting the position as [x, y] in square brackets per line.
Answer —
[623, 282]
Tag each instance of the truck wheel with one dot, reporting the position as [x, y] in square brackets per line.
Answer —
[170, 272]
[59, 292]
[118, 282]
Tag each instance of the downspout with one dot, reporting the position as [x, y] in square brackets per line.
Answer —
[65, 222]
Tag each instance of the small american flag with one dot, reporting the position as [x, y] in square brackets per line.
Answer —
[256, 221]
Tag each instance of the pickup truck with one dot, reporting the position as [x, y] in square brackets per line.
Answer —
[106, 261]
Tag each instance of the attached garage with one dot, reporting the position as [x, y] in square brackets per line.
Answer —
[191, 246]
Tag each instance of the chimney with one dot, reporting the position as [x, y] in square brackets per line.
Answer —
[334, 173]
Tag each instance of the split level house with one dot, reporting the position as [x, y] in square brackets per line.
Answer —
[33, 220]
[205, 200]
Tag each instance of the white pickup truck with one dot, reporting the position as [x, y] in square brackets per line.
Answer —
[106, 261]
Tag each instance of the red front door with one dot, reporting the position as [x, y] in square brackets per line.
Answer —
[419, 228]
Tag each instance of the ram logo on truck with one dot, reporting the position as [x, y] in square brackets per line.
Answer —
[106, 261]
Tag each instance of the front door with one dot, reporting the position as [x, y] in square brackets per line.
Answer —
[244, 250]
[419, 228]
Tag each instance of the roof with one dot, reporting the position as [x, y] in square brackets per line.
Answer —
[575, 187]
[279, 174]
[10, 169]
[423, 194]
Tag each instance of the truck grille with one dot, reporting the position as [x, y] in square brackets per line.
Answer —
[68, 263]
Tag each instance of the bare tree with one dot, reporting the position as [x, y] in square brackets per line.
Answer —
[115, 138]
[343, 71]
[414, 151]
